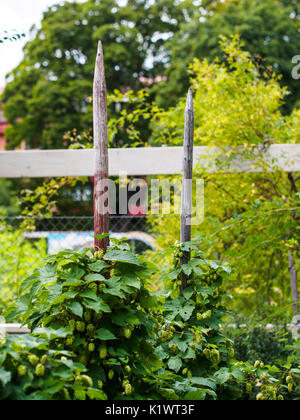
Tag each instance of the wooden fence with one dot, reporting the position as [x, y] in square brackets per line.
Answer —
[135, 162]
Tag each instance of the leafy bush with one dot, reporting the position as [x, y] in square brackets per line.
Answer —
[106, 309]
[29, 370]
[259, 343]
[190, 341]
[18, 258]
[121, 342]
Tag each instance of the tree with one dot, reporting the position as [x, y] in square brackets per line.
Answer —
[50, 90]
[269, 29]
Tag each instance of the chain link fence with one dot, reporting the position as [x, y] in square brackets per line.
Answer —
[75, 232]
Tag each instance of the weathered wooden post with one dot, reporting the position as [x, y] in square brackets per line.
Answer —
[101, 216]
[187, 176]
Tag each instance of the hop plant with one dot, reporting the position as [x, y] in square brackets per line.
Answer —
[90, 329]
[98, 316]
[87, 316]
[128, 389]
[127, 333]
[91, 347]
[40, 370]
[103, 352]
[66, 394]
[22, 370]
[33, 359]
[231, 353]
[87, 380]
[44, 359]
[174, 348]
[99, 254]
[193, 346]
[80, 326]
[70, 341]
[93, 286]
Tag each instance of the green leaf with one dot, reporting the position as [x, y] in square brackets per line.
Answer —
[75, 273]
[94, 277]
[91, 304]
[121, 256]
[237, 373]
[188, 293]
[62, 372]
[50, 333]
[73, 283]
[5, 377]
[96, 394]
[76, 308]
[190, 354]
[186, 311]
[187, 269]
[195, 395]
[123, 318]
[132, 281]
[175, 364]
[222, 376]
[203, 382]
[89, 294]
[104, 334]
[172, 275]
[114, 292]
[98, 266]
[48, 274]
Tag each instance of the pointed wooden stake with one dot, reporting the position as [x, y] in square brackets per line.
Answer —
[101, 217]
[186, 198]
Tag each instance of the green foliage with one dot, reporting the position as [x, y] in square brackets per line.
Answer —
[190, 341]
[31, 368]
[250, 219]
[259, 343]
[51, 88]
[98, 333]
[103, 305]
[269, 29]
[9, 205]
[18, 257]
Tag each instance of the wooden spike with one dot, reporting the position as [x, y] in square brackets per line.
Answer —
[187, 176]
[101, 218]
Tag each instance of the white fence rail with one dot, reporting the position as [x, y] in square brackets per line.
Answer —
[139, 161]
[13, 329]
